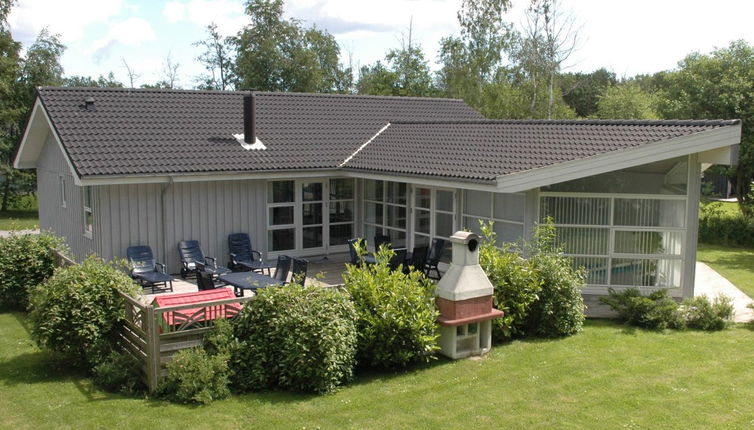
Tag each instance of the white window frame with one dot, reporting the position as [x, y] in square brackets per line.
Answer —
[295, 204]
[432, 213]
[492, 216]
[384, 227]
[613, 228]
[87, 203]
[63, 203]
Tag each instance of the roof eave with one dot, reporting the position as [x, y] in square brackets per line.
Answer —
[706, 140]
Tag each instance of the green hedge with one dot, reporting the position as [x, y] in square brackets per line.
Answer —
[397, 315]
[295, 338]
[194, 376]
[25, 262]
[719, 228]
[77, 311]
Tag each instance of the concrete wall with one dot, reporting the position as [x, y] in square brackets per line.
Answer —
[68, 221]
[161, 215]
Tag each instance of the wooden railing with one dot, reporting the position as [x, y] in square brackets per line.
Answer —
[147, 336]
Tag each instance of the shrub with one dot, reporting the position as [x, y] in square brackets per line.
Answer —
[396, 313]
[719, 228]
[294, 337]
[25, 261]
[540, 296]
[516, 285]
[701, 314]
[77, 311]
[196, 377]
[119, 373]
[654, 311]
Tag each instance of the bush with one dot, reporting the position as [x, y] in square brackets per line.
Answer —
[119, 373]
[25, 262]
[196, 377]
[540, 296]
[516, 285]
[396, 313]
[718, 228]
[294, 337]
[654, 311]
[77, 311]
[701, 314]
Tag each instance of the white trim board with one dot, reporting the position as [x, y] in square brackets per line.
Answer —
[38, 140]
[622, 159]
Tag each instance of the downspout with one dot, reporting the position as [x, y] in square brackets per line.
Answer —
[163, 216]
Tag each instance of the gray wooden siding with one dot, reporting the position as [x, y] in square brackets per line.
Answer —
[66, 222]
[204, 211]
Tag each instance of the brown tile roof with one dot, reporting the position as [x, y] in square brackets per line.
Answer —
[136, 132]
[485, 150]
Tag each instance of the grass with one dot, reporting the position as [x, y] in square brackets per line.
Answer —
[735, 264]
[19, 220]
[607, 377]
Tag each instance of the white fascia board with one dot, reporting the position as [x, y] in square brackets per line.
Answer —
[662, 150]
[219, 176]
[38, 143]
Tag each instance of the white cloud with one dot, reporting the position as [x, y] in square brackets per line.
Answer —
[68, 18]
[174, 11]
[131, 32]
[227, 14]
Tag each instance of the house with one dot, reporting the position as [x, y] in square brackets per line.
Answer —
[302, 173]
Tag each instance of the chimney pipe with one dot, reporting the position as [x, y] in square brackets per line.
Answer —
[249, 128]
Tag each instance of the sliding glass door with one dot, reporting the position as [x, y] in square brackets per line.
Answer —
[309, 216]
[434, 216]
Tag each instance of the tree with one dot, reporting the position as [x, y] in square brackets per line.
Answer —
[717, 85]
[550, 38]
[132, 75]
[277, 54]
[626, 101]
[408, 74]
[19, 78]
[471, 60]
[108, 81]
[581, 91]
[217, 60]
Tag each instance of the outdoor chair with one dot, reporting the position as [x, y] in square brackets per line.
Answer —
[397, 259]
[355, 260]
[242, 256]
[149, 272]
[204, 281]
[194, 260]
[299, 268]
[418, 259]
[433, 258]
[379, 240]
[282, 268]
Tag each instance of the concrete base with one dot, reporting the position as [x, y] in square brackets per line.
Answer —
[465, 340]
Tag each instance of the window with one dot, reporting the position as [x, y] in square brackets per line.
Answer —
[385, 211]
[632, 241]
[506, 210]
[341, 210]
[88, 212]
[281, 229]
[62, 192]
[434, 217]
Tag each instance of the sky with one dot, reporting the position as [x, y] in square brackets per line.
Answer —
[626, 37]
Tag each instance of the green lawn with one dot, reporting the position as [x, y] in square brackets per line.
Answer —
[607, 377]
[735, 264]
[19, 220]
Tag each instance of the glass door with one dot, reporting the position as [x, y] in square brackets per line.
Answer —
[434, 216]
[312, 221]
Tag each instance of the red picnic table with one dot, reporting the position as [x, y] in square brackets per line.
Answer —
[200, 313]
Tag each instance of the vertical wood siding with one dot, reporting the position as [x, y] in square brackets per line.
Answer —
[203, 211]
[66, 222]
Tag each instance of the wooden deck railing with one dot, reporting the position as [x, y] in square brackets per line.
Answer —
[147, 336]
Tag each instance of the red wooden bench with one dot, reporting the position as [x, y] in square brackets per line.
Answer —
[200, 313]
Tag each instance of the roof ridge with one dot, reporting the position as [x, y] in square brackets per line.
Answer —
[657, 122]
[265, 93]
